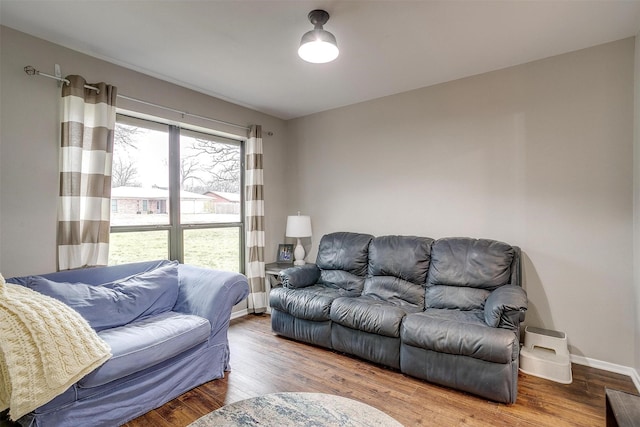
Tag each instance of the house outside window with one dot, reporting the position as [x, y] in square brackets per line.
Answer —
[178, 195]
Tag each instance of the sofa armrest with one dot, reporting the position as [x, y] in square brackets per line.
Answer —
[505, 307]
[209, 293]
[300, 276]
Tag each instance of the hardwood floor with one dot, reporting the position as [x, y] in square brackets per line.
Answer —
[265, 363]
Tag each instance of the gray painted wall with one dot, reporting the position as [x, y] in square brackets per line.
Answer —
[537, 155]
[29, 143]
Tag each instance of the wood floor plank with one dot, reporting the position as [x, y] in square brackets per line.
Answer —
[264, 363]
[177, 413]
[200, 401]
[150, 419]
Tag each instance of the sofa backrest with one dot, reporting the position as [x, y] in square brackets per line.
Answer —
[398, 267]
[96, 275]
[464, 271]
[135, 291]
[342, 259]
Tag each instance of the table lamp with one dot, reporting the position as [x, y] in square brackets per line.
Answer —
[298, 226]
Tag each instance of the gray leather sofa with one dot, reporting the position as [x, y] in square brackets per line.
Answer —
[447, 310]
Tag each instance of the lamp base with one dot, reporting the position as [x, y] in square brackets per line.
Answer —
[298, 254]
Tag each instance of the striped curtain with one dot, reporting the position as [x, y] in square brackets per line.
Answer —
[254, 208]
[86, 151]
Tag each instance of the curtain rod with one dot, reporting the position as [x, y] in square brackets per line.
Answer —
[33, 72]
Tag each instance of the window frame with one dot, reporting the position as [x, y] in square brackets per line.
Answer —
[175, 229]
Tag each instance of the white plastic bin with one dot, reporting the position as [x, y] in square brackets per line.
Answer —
[545, 354]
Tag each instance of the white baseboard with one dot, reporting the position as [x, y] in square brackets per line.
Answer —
[239, 313]
[611, 367]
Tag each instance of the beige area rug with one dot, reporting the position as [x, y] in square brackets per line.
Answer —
[297, 410]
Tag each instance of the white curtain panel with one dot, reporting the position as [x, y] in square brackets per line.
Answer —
[254, 208]
[86, 154]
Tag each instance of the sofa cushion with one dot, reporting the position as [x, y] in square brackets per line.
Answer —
[368, 314]
[145, 343]
[463, 333]
[398, 268]
[310, 303]
[340, 279]
[395, 291]
[458, 297]
[117, 303]
[476, 263]
[342, 259]
[405, 257]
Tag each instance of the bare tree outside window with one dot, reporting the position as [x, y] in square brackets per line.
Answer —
[211, 166]
[190, 170]
[125, 137]
[124, 172]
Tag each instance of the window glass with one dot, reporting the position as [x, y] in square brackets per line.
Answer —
[140, 175]
[138, 246]
[209, 179]
[217, 248]
[207, 172]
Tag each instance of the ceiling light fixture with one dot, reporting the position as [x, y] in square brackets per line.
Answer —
[318, 46]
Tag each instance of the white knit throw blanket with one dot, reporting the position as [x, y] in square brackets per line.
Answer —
[45, 347]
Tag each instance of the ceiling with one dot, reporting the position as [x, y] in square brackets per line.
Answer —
[246, 51]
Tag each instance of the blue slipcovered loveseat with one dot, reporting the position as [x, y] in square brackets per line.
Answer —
[166, 325]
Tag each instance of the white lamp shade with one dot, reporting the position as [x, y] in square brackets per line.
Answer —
[318, 46]
[298, 226]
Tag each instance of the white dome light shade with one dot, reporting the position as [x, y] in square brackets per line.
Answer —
[318, 46]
